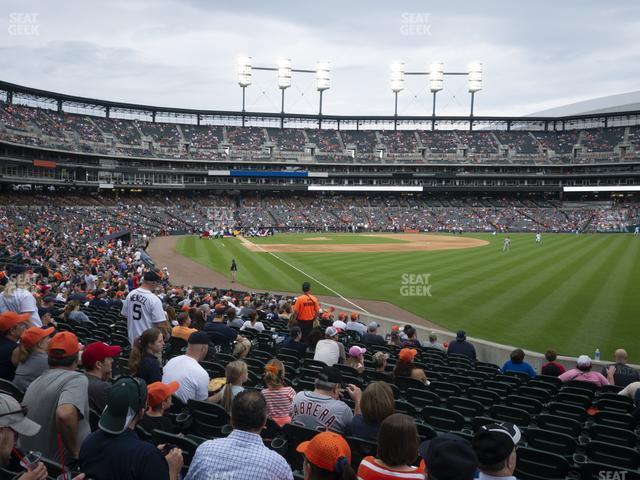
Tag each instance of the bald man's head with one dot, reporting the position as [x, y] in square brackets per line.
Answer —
[620, 356]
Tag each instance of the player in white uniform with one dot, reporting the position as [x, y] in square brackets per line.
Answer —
[538, 237]
[143, 308]
[506, 244]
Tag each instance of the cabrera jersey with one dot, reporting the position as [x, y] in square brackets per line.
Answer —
[320, 412]
[142, 309]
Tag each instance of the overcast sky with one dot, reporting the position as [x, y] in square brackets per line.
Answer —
[536, 55]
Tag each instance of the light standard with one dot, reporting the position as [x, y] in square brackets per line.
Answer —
[284, 82]
[244, 78]
[323, 70]
[397, 85]
[436, 83]
[475, 85]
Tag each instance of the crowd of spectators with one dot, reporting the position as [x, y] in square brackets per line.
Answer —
[242, 359]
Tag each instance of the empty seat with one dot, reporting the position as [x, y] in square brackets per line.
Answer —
[550, 441]
[442, 419]
[514, 415]
[538, 464]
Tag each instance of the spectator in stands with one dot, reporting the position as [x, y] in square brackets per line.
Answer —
[72, 313]
[183, 330]
[224, 336]
[631, 390]
[552, 368]
[354, 324]
[17, 297]
[330, 350]
[449, 457]
[143, 309]
[393, 338]
[252, 322]
[187, 371]
[517, 364]
[100, 299]
[143, 359]
[462, 347]
[158, 402]
[327, 456]
[12, 326]
[58, 401]
[412, 338]
[355, 359]
[433, 342]
[115, 451]
[620, 373]
[278, 395]
[323, 408]
[377, 404]
[406, 368]
[313, 338]
[397, 450]
[32, 355]
[241, 455]
[379, 360]
[495, 446]
[197, 318]
[13, 422]
[237, 374]
[371, 336]
[583, 372]
[305, 309]
[294, 342]
[97, 359]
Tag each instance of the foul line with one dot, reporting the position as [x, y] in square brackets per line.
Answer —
[255, 245]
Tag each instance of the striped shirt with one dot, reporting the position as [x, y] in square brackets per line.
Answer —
[278, 401]
[370, 469]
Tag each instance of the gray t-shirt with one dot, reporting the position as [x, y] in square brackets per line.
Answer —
[45, 394]
[97, 393]
[34, 366]
[317, 411]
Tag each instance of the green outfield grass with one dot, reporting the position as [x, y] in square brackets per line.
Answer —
[573, 292]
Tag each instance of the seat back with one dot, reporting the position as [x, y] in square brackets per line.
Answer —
[533, 463]
[549, 441]
[442, 419]
[612, 454]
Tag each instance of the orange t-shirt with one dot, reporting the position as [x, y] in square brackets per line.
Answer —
[182, 332]
[371, 470]
[306, 307]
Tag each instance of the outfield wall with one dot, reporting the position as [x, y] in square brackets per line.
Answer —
[486, 351]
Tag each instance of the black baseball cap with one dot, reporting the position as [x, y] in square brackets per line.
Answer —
[198, 338]
[152, 276]
[494, 442]
[306, 286]
[449, 457]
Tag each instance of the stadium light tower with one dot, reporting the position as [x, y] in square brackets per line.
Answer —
[284, 81]
[436, 83]
[475, 83]
[397, 85]
[323, 69]
[244, 78]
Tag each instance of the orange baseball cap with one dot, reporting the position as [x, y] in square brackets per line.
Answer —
[342, 316]
[9, 319]
[64, 344]
[327, 450]
[395, 328]
[158, 392]
[33, 335]
[407, 354]
[355, 316]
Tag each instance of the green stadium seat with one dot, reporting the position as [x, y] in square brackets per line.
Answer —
[550, 441]
[466, 407]
[608, 434]
[504, 413]
[567, 410]
[612, 454]
[559, 424]
[442, 419]
[533, 464]
[528, 404]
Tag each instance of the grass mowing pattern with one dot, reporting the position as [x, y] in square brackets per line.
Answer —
[573, 292]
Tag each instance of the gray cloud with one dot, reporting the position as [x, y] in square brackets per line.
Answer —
[181, 53]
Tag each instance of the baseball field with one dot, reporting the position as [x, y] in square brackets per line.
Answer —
[572, 292]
